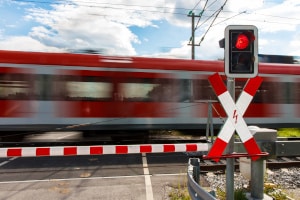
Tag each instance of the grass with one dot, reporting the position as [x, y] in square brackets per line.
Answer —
[275, 192]
[180, 193]
[239, 194]
[288, 132]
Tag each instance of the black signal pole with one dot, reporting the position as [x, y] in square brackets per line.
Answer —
[192, 39]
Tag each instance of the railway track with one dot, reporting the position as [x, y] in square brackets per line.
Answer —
[274, 163]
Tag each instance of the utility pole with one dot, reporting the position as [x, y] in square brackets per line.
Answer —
[192, 38]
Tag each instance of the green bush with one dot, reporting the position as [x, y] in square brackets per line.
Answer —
[288, 132]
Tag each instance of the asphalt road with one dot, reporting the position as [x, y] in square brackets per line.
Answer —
[132, 176]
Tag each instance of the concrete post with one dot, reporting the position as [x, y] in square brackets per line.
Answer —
[257, 179]
[258, 167]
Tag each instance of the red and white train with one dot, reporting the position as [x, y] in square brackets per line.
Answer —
[48, 91]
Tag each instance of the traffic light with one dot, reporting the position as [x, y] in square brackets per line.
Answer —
[241, 57]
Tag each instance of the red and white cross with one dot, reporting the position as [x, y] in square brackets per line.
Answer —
[235, 121]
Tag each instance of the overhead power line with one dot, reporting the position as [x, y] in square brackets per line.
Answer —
[95, 4]
[191, 14]
[166, 9]
[217, 14]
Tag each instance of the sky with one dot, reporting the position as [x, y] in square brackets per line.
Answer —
[149, 28]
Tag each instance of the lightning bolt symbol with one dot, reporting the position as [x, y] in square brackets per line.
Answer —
[235, 116]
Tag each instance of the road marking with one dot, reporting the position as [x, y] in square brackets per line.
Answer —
[7, 161]
[89, 178]
[148, 184]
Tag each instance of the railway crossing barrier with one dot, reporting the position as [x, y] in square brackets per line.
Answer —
[100, 150]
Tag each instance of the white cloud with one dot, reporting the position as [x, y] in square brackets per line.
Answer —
[105, 25]
[208, 50]
[24, 43]
[184, 52]
[88, 26]
[294, 45]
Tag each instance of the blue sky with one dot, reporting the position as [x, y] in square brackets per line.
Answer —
[157, 28]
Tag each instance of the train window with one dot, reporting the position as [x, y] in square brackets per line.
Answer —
[202, 90]
[82, 88]
[15, 86]
[145, 89]
[88, 90]
[270, 92]
[137, 91]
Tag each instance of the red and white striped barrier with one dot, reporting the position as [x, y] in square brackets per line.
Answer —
[100, 150]
[235, 120]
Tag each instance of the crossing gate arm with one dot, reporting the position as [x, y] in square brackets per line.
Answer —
[101, 150]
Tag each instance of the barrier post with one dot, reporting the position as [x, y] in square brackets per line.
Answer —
[257, 179]
[258, 166]
[195, 163]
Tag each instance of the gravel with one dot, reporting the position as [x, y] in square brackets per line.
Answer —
[287, 179]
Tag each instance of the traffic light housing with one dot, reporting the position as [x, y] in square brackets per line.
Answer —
[241, 56]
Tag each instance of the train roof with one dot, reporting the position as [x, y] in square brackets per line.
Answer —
[95, 60]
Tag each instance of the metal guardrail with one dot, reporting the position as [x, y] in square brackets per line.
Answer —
[193, 176]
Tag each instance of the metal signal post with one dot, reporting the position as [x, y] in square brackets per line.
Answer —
[241, 61]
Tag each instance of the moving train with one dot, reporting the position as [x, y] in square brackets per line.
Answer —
[65, 91]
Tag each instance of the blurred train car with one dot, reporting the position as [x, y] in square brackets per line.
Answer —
[62, 91]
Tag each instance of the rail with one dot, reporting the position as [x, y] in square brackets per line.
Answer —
[193, 176]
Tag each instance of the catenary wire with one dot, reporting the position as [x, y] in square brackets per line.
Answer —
[111, 6]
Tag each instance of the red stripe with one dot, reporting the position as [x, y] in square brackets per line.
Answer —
[253, 85]
[70, 151]
[217, 84]
[15, 70]
[252, 148]
[191, 147]
[121, 149]
[114, 109]
[217, 149]
[169, 148]
[17, 108]
[14, 152]
[40, 151]
[145, 148]
[96, 150]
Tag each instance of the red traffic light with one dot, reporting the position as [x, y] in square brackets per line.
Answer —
[241, 51]
[242, 41]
